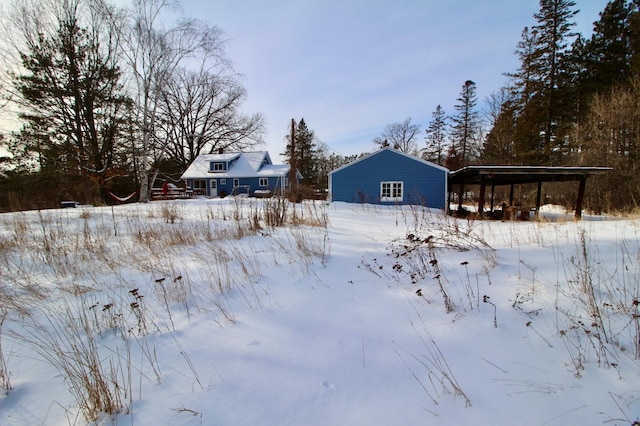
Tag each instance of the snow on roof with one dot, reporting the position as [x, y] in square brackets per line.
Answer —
[245, 164]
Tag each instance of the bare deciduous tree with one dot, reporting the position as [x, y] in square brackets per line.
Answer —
[613, 126]
[200, 113]
[153, 54]
[400, 136]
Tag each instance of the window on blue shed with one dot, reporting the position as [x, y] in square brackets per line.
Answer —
[264, 182]
[236, 183]
[391, 191]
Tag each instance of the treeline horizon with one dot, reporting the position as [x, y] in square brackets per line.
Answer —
[114, 100]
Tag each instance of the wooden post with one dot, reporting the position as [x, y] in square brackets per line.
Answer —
[538, 199]
[460, 197]
[493, 196]
[483, 185]
[581, 188]
[511, 196]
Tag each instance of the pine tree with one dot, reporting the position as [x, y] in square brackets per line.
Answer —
[609, 50]
[596, 65]
[498, 146]
[465, 127]
[578, 93]
[435, 150]
[544, 110]
[305, 153]
[71, 92]
[454, 159]
[524, 85]
[634, 30]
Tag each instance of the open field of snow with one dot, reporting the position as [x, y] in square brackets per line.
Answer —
[245, 311]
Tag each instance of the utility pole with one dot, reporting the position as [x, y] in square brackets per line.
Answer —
[293, 169]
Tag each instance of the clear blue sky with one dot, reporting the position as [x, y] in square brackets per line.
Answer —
[349, 67]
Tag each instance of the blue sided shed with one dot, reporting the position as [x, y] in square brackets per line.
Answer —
[389, 176]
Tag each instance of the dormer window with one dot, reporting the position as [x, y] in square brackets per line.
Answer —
[217, 166]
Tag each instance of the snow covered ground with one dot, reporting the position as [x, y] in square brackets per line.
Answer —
[198, 313]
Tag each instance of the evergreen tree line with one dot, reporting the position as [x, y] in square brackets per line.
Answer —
[545, 113]
[573, 101]
[111, 99]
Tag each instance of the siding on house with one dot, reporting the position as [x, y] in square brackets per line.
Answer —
[424, 183]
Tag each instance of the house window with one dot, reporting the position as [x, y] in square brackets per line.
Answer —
[216, 167]
[264, 182]
[223, 181]
[236, 183]
[391, 191]
[199, 186]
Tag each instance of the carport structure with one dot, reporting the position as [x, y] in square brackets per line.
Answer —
[493, 176]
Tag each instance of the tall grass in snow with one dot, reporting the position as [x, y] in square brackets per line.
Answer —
[5, 374]
[439, 377]
[594, 302]
[418, 258]
[97, 381]
[86, 290]
[600, 319]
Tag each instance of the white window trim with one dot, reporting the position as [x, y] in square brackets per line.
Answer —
[391, 198]
[263, 181]
[236, 182]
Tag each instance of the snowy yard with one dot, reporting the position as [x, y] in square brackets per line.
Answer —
[204, 312]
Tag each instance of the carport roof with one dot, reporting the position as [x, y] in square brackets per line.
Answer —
[507, 175]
